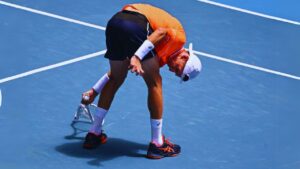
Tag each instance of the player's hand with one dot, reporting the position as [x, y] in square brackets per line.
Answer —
[135, 65]
[88, 97]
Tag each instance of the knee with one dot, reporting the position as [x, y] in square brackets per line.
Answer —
[155, 84]
[117, 80]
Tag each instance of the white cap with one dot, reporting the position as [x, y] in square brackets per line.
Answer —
[193, 66]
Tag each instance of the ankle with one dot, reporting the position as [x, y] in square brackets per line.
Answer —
[158, 144]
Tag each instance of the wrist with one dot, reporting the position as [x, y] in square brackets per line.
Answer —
[136, 57]
[95, 93]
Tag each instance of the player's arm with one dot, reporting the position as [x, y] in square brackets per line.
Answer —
[157, 35]
[145, 48]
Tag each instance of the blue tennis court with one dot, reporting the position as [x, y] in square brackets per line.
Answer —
[242, 112]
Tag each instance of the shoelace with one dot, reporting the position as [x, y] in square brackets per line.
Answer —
[167, 149]
[169, 143]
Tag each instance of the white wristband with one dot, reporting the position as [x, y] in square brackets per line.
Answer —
[101, 83]
[144, 49]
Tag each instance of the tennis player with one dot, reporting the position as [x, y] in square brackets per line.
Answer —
[141, 38]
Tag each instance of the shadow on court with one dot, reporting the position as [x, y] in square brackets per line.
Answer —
[114, 148]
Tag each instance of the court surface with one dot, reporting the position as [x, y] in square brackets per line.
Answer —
[242, 112]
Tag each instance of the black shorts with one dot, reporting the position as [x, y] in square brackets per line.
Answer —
[125, 33]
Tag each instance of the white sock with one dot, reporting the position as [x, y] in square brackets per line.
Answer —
[101, 83]
[156, 131]
[98, 120]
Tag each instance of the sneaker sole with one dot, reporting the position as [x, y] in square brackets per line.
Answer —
[90, 147]
[160, 157]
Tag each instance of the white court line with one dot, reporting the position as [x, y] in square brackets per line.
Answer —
[247, 65]
[250, 12]
[200, 53]
[52, 66]
[52, 15]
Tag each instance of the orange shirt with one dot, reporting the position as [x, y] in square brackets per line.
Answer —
[158, 18]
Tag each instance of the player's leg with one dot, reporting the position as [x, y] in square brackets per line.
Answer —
[118, 73]
[154, 83]
[159, 146]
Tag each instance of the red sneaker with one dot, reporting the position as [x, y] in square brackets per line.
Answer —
[167, 149]
[93, 141]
